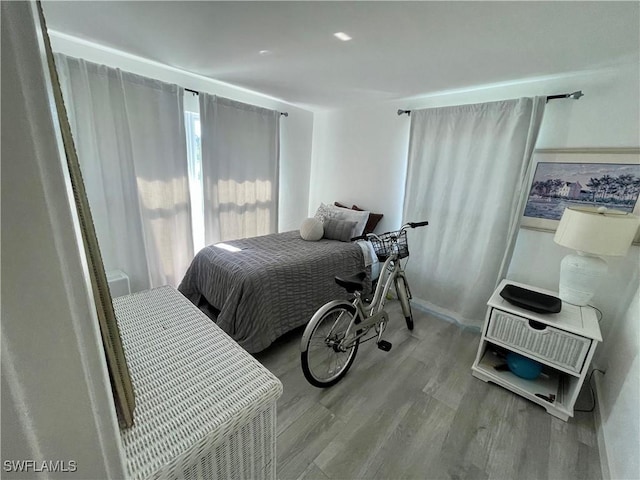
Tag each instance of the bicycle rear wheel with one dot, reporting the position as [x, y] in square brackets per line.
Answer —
[324, 363]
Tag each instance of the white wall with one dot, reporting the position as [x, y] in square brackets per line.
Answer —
[296, 129]
[619, 394]
[360, 154]
[56, 397]
[359, 157]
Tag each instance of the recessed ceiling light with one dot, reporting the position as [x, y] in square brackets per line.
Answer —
[265, 52]
[342, 36]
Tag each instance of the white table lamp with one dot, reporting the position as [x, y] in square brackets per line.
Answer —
[592, 232]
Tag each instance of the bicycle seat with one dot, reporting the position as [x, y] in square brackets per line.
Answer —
[352, 282]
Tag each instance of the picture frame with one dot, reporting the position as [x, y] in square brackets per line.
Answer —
[580, 177]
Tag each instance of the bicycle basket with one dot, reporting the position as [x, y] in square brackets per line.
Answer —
[390, 243]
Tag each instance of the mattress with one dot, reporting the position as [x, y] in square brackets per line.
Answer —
[270, 285]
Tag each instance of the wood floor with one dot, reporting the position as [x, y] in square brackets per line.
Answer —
[416, 412]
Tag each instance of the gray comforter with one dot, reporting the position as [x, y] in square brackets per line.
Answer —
[275, 284]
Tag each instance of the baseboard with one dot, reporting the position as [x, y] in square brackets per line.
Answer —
[444, 315]
[602, 449]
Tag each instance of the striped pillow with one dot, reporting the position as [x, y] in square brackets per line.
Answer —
[341, 230]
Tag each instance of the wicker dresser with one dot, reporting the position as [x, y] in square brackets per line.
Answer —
[205, 408]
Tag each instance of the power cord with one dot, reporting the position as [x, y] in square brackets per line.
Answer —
[597, 310]
[593, 394]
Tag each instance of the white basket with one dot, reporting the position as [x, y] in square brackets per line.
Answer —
[552, 346]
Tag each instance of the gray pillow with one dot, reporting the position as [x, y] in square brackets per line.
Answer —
[339, 229]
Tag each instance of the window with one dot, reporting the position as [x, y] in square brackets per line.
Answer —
[239, 169]
[194, 157]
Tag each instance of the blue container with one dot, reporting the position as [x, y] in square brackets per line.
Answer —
[523, 367]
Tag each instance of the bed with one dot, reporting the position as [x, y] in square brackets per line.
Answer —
[272, 285]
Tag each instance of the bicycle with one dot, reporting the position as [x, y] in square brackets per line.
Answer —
[331, 339]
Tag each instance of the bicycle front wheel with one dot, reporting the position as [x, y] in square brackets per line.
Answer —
[402, 289]
[324, 359]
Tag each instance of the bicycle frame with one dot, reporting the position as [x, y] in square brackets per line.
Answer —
[373, 314]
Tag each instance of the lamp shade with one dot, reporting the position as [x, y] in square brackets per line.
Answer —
[597, 231]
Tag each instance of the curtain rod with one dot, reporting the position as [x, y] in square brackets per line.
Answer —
[284, 114]
[575, 95]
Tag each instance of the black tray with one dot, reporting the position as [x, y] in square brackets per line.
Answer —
[530, 300]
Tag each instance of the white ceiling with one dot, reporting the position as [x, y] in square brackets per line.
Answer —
[398, 50]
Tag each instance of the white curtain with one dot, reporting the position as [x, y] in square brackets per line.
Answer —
[467, 174]
[240, 157]
[130, 136]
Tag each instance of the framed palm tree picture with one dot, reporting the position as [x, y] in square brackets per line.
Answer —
[581, 178]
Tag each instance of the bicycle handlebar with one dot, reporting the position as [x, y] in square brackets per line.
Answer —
[404, 227]
[417, 224]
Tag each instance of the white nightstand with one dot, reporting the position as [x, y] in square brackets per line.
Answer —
[563, 342]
